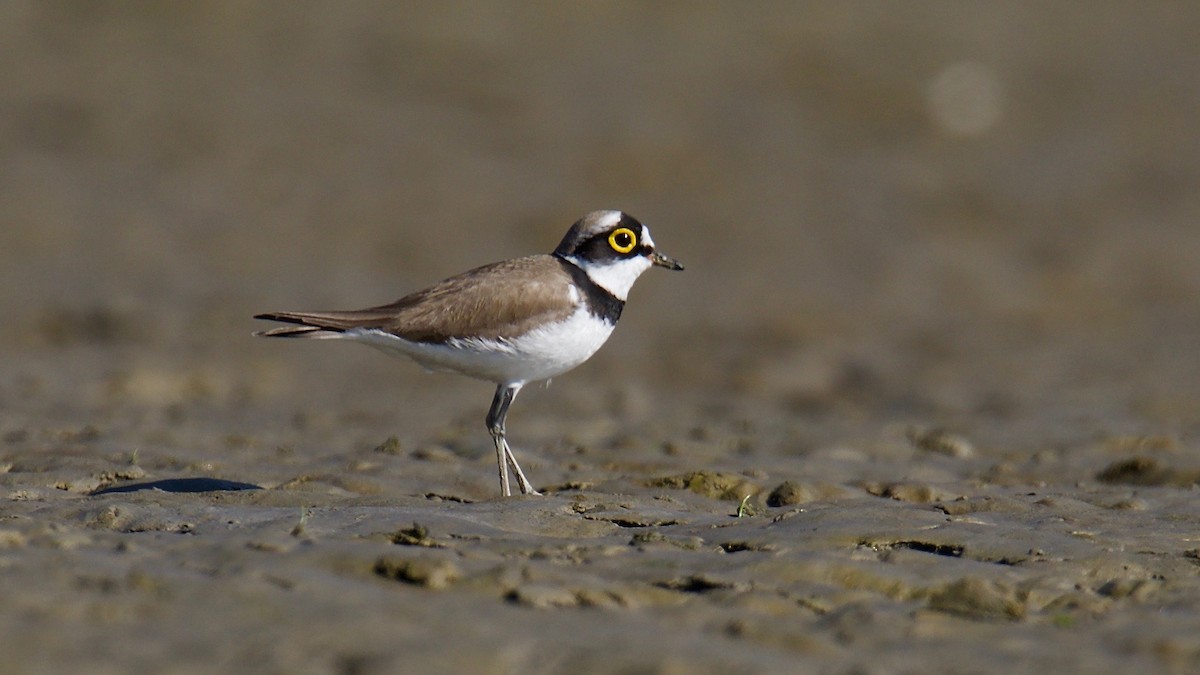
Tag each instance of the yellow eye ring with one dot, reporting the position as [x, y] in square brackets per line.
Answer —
[622, 240]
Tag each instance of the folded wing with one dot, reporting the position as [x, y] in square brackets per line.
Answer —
[504, 299]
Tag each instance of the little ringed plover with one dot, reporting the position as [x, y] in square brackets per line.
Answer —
[512, 322]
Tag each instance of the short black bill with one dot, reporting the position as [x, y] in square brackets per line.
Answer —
[665, 261]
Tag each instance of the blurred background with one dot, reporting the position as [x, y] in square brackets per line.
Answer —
[977, 215]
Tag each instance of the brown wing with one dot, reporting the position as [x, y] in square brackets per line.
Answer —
[507, 298]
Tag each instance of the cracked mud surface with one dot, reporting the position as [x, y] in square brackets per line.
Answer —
[947, 374]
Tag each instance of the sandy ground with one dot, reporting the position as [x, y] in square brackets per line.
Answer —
[936, 344]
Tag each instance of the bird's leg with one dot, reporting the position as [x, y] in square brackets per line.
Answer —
[505, 394]
[522, 482]
[495, 424]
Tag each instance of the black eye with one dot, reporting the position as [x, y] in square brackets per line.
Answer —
[622, 240]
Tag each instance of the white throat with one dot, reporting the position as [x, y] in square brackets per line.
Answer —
[616, 277]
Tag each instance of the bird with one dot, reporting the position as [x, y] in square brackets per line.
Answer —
[511, 322]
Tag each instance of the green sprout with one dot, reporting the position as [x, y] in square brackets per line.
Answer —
[742, 508]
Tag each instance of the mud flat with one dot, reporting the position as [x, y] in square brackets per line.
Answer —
[924, 401]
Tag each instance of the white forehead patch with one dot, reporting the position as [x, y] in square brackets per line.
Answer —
[646, 240]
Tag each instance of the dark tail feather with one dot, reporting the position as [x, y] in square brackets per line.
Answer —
[288, 331]
[307, 326]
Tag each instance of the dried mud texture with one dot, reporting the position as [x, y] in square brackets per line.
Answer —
[925, 399]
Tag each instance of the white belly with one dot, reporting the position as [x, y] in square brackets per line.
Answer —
[537, 355]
